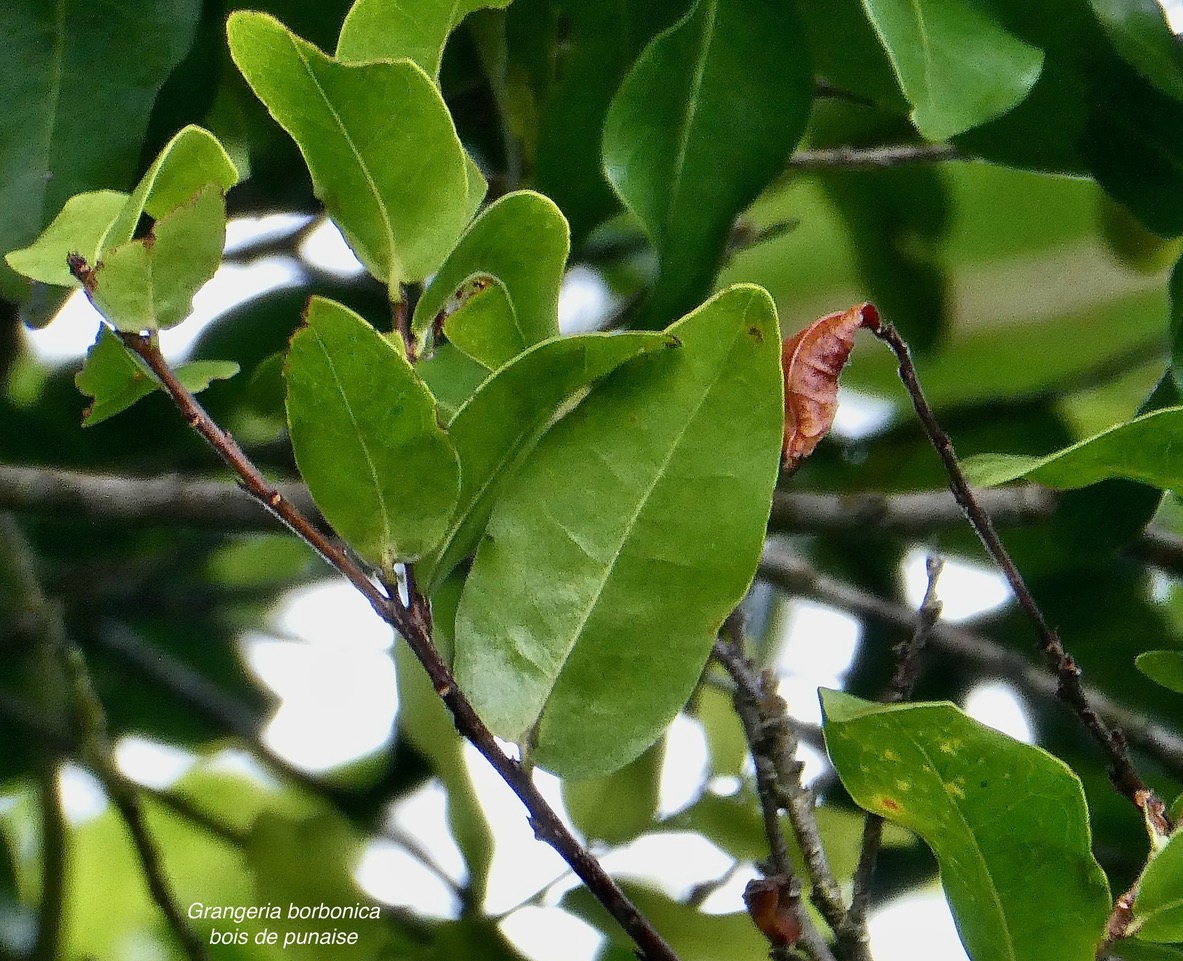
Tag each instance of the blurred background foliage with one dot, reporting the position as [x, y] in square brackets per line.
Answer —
[1027, 264]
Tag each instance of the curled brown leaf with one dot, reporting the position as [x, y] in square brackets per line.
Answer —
[812, 359]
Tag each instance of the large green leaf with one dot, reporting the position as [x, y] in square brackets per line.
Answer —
[1141, 34]
[366, 439]
[522, 240]
[149, 284]
[115, 378]
[378, 140]
[506, 416]
[1158, 907]
[651, 497]
[956, 65]
[1003, 818]
[392, 30]
[1145, 449]
[79, 81]
[705, 118]
[1163, 667]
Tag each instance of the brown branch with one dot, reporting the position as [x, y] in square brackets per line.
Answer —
[794, 575]
[874, 158]
[411, 626]
[903, 681]
[90, 721]
[1069, 689]
[908, 515]
[773, 746]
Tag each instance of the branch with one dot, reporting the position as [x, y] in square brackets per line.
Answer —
[121, 500]
[53, 865]
[903, 681]
[795, 576]
[91, 722]
[411, 624]
[773, 746]
[908, 515]
[874, 158]
[1069, 688]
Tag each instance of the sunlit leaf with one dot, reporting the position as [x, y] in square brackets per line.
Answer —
[522, 241]
[149, 284]
[366, 438]
[79, 228]
[505, 417]
[391, 30]
[701, 123]
[1145, 449]
[379, 144]
[590, 675]
[115, 378]
[957, 66]
[485, 326]
[978, 798]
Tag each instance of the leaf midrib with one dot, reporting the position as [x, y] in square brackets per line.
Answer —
[627, 528]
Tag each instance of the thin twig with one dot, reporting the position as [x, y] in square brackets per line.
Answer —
[410, 625]
[90, 721]
[53, 865]
[1122, 772]
[903, 681]
[874, 158]
[770, 740]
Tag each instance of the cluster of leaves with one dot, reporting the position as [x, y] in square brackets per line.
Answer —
[584, 511]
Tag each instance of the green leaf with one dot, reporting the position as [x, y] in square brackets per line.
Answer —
[149, 284]
[507, 415]
[1163, 667]
[116, 378]
[1145, 449]
[485, 326]
[1158, 906]
[378, 141]
[702, 122]
[452, 377]
[619, 806]
[191, 161]
[78, 228]
[366, 439]
[94, 223]
[957, 66]
[684, 446]
[521, 240]
[79, 82]
[1003, 818]
[392, 30]
[1139, 31]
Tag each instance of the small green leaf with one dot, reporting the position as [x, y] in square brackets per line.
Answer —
[485, 326]
[193, 160]
[116, 378]
[378, 140]
[619, 806]
[149, 284]
[521, 240]
[955, 63]
[78, 228]
[652, 496]
[392, 30]
[452, 377]
[702, 122]
[1158, 907]
[1141, 34]
[1145, 449]
[366, 439]
[1163, 667]
[505, 418]
[1003, 818]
